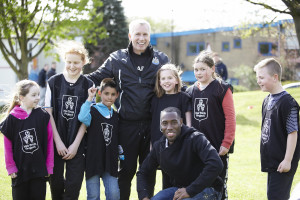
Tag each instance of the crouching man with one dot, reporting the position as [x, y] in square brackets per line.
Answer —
[187, 157]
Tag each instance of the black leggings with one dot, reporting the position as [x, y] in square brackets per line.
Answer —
[67, 185]
[34, 189]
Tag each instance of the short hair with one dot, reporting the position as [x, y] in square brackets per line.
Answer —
[176, 72]
[136, 22]
[272, 65]
[171, 109]
[108, 82]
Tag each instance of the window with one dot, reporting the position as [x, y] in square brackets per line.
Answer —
[225, 46]
[267, 48]
[237, 43]
[194, 48]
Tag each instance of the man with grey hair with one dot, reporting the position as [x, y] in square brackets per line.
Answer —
[134, 69]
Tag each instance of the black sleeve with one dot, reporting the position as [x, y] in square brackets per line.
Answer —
[104, 71]
[5, 128]
[186, 103]
[149, 165]
[213, 164]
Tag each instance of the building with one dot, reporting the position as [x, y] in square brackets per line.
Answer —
[236, 45]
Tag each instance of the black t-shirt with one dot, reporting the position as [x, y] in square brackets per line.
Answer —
[66, 100]
[180, 100]
[274, 134]
[102, 145]
[208, 115]
[29, 141]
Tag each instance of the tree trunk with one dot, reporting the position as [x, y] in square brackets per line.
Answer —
[297, 26]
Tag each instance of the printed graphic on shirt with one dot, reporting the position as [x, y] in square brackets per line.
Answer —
[69, 104]
[155, 61]
[140, 68]
[107, 132]
[29, 141]
[265, 132]
[200, 109]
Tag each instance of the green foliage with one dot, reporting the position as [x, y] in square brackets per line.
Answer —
[41, 23]
[246, 76]
[116, 33]
[239, 88]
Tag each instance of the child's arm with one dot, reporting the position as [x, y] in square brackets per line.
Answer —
[72, 150]
[230, 122]
[84, 115]
[50, 150]
[9, 159]
[291, 143]
[188, 118]
[60, 146]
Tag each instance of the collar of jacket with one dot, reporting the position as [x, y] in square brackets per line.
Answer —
[149, 49]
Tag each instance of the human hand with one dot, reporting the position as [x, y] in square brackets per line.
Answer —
[92, 92]
[223, 151]
[72, 150]
[13, 175]
[284, 166]
[146, 198]
[61, 148]
[181, 194]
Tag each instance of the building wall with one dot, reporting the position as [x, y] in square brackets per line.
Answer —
[248, 54]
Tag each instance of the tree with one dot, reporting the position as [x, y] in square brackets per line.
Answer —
[293, 9]
[30, 26]
[117, 33]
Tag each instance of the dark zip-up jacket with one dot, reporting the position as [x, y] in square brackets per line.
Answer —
[190, 162]
[136, 87]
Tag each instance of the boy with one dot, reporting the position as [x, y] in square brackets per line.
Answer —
[102, 141]
[279, 148]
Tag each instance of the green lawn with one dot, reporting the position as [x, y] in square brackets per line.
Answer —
[246, 181]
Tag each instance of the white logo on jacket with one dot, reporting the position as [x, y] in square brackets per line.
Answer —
[200, 109]
[265, 132]
[107, 132]
[69, 104]
[29, 141]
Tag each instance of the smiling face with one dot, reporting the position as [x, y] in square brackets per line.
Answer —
[203, 73]
[170, 124]
[31, 99]
[73, 64]
[168, 81]
[265, 80]
[109, 96]
[140, 38]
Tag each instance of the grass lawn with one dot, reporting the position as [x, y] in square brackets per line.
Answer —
[246, 181]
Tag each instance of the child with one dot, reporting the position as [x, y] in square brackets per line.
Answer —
[168, 94]
[279, 147]
[213, 109]
[28, 143]
[102, 141]
[65, 94]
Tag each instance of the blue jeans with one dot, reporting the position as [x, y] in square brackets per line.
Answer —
[206, 194]
[112, 191]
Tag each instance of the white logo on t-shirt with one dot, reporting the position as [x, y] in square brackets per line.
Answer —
[265, 132]
[69, 104]
[200, 109]
[140, 68]
[29, 141]
[107, 132]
